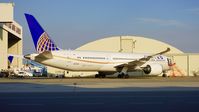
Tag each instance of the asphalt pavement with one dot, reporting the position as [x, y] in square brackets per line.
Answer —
[140, 101]
[99, 95]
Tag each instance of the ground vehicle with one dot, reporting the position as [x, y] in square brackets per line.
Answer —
[24, 74]
[5, 73]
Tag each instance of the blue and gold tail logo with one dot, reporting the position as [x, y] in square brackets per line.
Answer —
[45, 44]
[40, 38]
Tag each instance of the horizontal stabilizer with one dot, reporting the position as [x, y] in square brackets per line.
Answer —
[45, 54]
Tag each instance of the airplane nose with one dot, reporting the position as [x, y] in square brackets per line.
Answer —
[27, 56]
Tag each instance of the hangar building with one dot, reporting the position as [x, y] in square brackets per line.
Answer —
[186, 64]
[10, 36]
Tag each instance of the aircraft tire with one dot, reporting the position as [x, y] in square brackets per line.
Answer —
[126, 76]
[121, 75]
[164, 75]
[103, 76]
[97, 76]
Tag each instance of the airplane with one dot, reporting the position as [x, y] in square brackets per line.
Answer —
[105, 63]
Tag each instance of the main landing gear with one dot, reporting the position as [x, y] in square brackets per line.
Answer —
[100, 76]
[123, 75]
[164, 74]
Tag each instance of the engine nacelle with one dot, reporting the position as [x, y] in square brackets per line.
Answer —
[153, 69]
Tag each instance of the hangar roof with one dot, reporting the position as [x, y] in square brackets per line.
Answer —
[135, 44]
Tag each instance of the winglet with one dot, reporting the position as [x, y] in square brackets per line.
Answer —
[150, 56]
[163, 52]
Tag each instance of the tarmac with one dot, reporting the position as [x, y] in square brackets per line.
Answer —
[145, 94]
[90, 84]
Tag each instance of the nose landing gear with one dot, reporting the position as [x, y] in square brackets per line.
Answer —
[100, 76]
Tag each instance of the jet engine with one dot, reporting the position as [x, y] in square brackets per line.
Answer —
[153, 69]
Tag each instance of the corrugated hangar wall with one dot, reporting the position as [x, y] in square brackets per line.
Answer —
[185, 64]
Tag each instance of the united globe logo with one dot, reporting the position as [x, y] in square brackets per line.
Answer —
[45, 44]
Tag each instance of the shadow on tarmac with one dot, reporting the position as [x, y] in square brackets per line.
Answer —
[23, 97]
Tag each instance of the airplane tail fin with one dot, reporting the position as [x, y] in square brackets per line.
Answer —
[40, 38]
[10, 59]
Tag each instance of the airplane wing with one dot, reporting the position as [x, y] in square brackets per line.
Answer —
[141, 61]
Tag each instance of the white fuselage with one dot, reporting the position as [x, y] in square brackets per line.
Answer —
[95, 61]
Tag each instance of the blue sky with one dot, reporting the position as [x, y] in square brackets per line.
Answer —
[72, 23]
